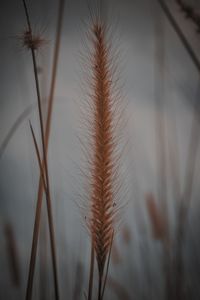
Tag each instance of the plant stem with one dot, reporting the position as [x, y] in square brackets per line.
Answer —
[107, 267]
[180, 34]
[186, 198]
[48, 196]
[100, 286]
[38, 157]
[91, 273]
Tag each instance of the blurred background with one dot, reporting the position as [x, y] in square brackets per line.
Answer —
[155, 254]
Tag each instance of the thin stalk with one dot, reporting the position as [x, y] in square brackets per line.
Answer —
[43, 259]
[185, 201]
[186, 198]
[13, 129]
[48, 198]
[52, 88]
[54, 70]
[47, 133]
[42, 282]
[160, 116]
[180, 34]
[90, 288]
[107, 267]
[100, 286]
[190, 13]
[38, 157]
[161, 147]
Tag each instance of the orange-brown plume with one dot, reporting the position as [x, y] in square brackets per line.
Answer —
[102, 202]
[104, 110]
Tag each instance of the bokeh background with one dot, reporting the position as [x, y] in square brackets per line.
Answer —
[161, 86]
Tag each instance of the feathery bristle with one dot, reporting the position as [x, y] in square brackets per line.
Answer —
[31, 41]
[103, 161]
[102, 196]
[102, 119]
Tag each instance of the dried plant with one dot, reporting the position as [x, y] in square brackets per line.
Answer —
[32, 43]
[157, 218]
[190, 13]
[31, 40]
[102, 194]
[184, 198]
[180, 34]
[103, 108]
[46, 136]
[13, 129]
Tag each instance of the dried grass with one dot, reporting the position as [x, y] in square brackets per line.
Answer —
[103, 109]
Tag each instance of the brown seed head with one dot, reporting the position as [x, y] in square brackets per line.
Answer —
[31, 41]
